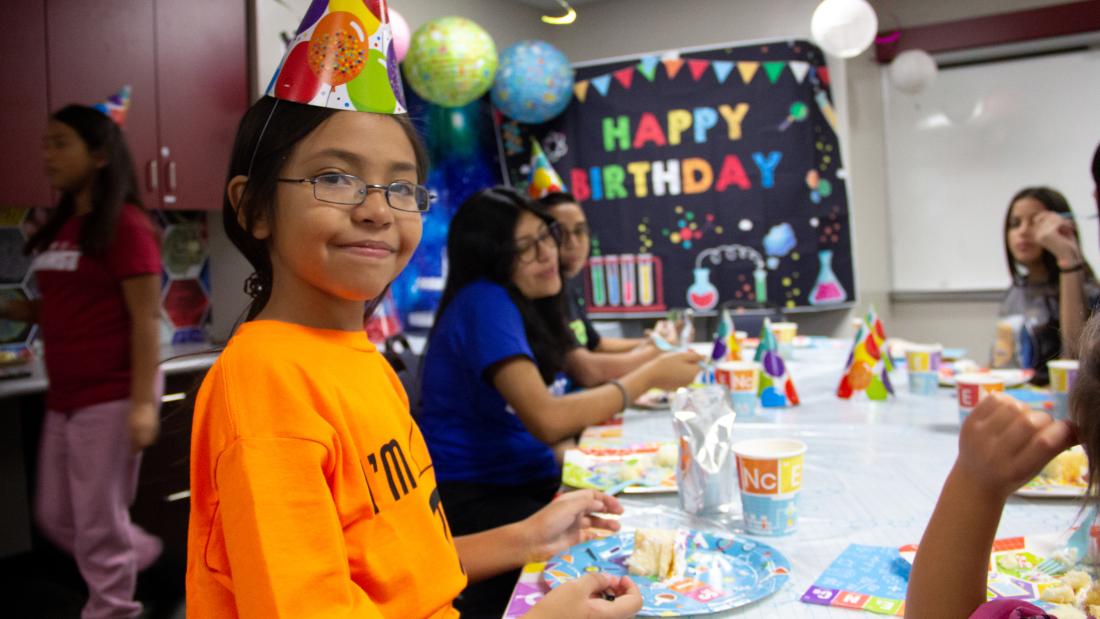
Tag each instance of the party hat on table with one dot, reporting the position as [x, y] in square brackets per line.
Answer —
[878, 332]
[726, 346]
[544, 179]
[342, 57]
[116, 106]
[776, 386]
[866, 370]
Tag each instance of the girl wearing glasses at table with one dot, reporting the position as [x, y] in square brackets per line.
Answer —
[1003, 444]
[594, 359]
[1053, 288]
[493, 404]
[312, 490]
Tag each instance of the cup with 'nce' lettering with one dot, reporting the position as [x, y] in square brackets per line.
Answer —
[743, 380]
[769, 472]
[1063, 373]
[972, 388]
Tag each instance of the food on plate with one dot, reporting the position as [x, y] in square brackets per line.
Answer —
[1069, 468]
[658, 553]
[667, 454]
[1075, 593]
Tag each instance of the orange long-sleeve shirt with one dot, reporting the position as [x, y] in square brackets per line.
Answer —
[312, 492]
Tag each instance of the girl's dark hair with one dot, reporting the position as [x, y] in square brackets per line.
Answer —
[1053, 200]
[481, 245]
[114, 185]
[1084, 401]
[266, 137]
[557, 198]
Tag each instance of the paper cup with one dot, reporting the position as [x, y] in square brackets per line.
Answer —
[972, 388]
[923, 365]
[785, 332]
[1063, 373]
[743, 380]
[769, 473]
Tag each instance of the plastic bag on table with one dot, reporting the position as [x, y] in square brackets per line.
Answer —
[706, 471]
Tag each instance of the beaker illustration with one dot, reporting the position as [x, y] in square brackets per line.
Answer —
[612, 271]
[827, 290]
[702, 295]
[599, 289]
[627, 262]
[645, 279]
[760, 279]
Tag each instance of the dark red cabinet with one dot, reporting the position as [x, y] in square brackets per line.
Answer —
[186, 61]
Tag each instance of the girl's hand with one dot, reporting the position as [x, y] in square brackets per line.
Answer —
[562, 523]
[1056, 235]
[1003, 444]
[144, 423]
[587, 598]
[673, 370]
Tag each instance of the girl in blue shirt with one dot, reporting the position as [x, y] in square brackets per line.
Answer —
[493, 403]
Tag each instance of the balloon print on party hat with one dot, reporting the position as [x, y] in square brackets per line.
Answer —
[776, 385]
[342, 57]
[116, 106]
[544, 180]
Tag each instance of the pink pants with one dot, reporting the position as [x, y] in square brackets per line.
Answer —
[87, 477]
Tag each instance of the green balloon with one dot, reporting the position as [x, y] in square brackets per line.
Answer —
[451, 61]
[371, 90]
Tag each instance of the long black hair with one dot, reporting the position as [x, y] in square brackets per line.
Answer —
[266, 137]
[481, 245]
[1053, 200]
[114, 184]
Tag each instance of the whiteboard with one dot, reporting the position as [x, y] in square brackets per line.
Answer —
[958, 151]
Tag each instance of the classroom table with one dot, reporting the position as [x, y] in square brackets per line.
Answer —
[873, 472]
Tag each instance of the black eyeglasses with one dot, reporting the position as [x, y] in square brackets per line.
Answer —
[529, 250]
[579, 233]
[350, 190]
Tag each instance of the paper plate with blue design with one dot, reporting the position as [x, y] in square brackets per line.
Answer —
[723, 572]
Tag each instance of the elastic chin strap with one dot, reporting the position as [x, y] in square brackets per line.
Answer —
[260, 139]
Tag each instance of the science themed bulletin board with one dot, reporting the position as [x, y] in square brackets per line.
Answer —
[708, 178]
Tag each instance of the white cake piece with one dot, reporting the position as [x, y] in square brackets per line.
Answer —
[658, 553]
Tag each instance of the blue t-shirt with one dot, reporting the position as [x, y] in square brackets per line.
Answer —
[472, 433]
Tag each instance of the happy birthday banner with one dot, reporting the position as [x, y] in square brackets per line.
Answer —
[709, 178]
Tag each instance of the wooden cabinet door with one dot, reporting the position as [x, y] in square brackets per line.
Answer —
[202, 91]
[94, 49]
[23, 105]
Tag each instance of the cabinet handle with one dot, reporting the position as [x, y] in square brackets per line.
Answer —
[151, 174]
[172, 176]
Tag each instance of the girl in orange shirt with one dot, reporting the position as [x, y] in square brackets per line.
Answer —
[312, 492]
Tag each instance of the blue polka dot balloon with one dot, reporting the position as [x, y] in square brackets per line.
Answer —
[534, 82]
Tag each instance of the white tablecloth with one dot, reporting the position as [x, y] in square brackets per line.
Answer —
[873, 473]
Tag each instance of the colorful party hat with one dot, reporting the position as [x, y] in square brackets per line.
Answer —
[866, 370]
[721, 342]
[878, 331]
[116, 106]
[342, 57]
[733, 347]
[543, 180]
[776, 386]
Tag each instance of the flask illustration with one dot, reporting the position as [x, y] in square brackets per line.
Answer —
[645, 279]
[827, 290]
[599, 289]
[612, 271]
[627, 264]
[702, 295]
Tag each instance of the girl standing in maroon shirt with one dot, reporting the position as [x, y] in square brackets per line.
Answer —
[97, 264]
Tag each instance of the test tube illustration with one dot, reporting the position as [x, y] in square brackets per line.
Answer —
[599, 288]
[645, 279]
[612, 270]
[760, 277]
[627, 268]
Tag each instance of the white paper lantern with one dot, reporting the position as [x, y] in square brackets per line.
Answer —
[844, 28]
[912, 70]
